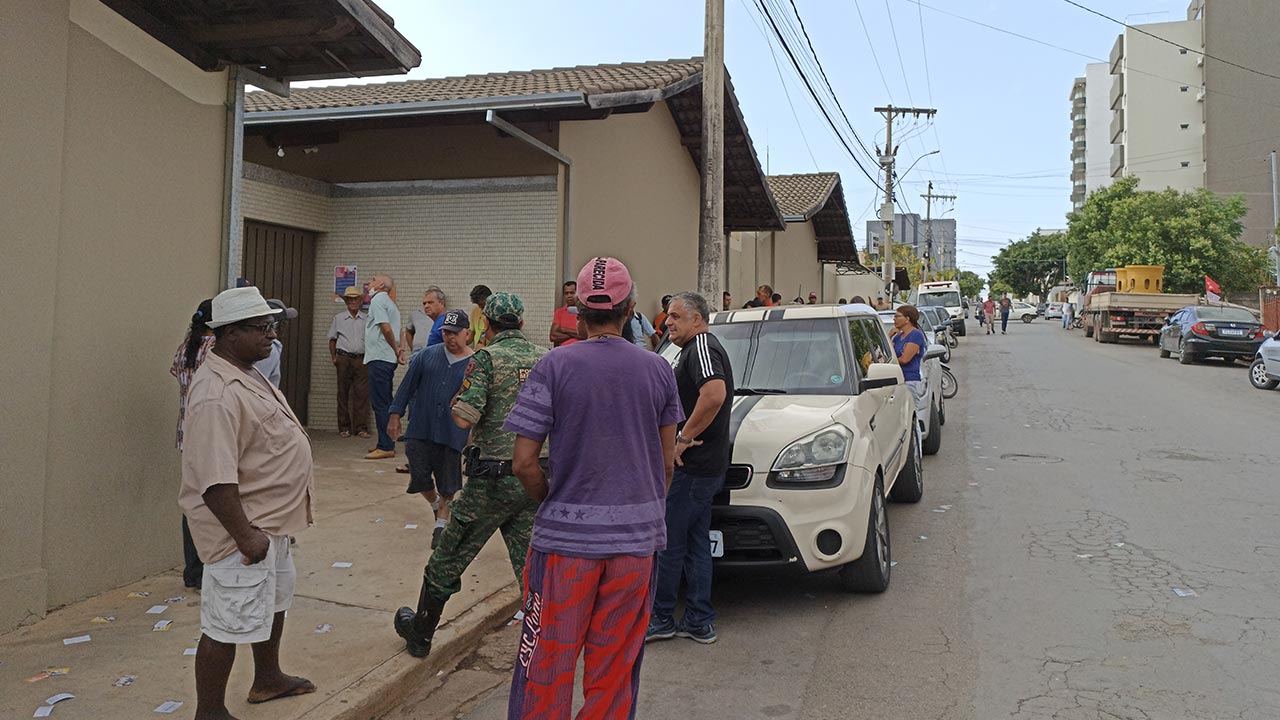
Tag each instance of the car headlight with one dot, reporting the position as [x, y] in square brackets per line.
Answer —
[816, 457]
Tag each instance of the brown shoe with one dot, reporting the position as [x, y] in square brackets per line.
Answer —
[363, 434]
[403, 468]
[344, 434]
[377, 454]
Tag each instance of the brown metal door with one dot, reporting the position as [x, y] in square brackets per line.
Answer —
[281, 262]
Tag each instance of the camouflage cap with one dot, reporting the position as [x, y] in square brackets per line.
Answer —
[504, 306]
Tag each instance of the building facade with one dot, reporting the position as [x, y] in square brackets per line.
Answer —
[911, 229]
[1078, 141]
[1097, 126]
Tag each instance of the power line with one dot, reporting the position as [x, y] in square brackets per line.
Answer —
[782, 82]
[898, 48]
[924, 51]
[872, 47]
[1180, 46]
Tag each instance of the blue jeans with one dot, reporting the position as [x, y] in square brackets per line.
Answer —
[381, 375]
[1004, 320]
[688, 550]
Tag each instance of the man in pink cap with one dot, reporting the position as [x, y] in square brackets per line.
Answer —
[590, 575]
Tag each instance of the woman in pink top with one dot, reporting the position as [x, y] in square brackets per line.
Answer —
[186, 360]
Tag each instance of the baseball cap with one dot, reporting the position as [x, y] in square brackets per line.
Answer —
[504, 306]
[603, 283]
[813, 294]
[455, 321]
[289, 313]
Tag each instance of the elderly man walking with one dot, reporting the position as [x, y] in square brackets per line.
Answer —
[346, 351]
[380, 358]
[589, 578]
[494, 500]
[246, 488]
[433, 442]
[704, 379]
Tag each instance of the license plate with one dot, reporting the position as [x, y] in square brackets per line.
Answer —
[1232, 331]
[717, 544]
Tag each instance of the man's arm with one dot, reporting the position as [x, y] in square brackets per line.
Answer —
[404, 395]
[524, 463]
[406, 339]
[668, 435]
[560, 334]
[710, 399]
[224, 502]
[333, 351]
[469, 404]
[389, 335]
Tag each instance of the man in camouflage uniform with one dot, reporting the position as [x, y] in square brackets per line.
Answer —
[493, 498]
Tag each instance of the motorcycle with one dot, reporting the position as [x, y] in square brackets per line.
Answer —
[949, 385]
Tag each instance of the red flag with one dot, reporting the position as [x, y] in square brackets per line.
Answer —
[1211, 287]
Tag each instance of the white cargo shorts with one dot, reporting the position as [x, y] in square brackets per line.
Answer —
[238, 602]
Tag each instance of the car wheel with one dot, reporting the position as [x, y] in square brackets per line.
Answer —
[909, 486]
[933, 441]
[1028, 318]
[1258, 376]
[1088, 328]
[961, 330]
[870, 573]
[1185, 356]
[1163, 353]
[942, 410]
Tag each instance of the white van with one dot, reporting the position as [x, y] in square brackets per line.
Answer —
[943, 294]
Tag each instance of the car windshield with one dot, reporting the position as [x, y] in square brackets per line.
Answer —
[801, 357]
[940, 299]
[1230, 314]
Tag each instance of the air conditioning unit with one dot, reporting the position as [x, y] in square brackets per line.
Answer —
[1200, 96]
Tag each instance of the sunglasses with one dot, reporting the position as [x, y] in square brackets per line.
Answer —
[264, 328]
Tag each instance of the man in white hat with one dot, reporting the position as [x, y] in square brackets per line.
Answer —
[346, 350]
[246, 487]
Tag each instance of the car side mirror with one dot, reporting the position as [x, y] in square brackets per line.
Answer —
[881, 375]
[935, 351]
[1267, 334]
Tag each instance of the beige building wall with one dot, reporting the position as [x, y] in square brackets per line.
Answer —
[635, 196]
[455, 234]
[750, 260]
[797, 271]
[114, 194]
[1158, 150]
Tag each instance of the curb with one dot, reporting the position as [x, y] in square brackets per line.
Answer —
[381, 688]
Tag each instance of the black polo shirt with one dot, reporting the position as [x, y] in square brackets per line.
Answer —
[701, 360]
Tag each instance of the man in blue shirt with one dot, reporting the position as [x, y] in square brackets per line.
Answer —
[433, 442]
[381, 358]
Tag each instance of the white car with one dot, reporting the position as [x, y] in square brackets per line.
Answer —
[1053, 310]
[930, 412]
[823, 431]
[1264, 371]
[1026, 311]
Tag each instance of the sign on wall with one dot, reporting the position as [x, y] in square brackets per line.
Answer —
[344, 276]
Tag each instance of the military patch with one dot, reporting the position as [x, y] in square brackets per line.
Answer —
[524, 374]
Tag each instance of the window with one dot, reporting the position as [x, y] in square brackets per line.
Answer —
[1186, 163]
[1184, 88]
[1184, 126]
[1182, 51]
[868, 345]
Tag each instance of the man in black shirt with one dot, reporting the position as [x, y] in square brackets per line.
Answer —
[705, 382]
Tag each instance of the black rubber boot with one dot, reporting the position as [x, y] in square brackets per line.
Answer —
[417, 628]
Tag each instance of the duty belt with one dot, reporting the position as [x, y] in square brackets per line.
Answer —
[477, 467]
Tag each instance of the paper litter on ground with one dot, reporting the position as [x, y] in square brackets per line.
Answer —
[168, 706]
[76, 640]
[342, 564]
[157, 609]
[124, 681]
[43, 711]
[1184, 592]
[924, 537]
[1119, 545]
[938, 510]
[103, 619]
[411, 526]
[324, 628]
[893, 563]
[162, 626]
[58, 698]
[175, 599]
[1084, 556]
[139, 594]
[189, 651]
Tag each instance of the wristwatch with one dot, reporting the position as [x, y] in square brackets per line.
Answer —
[682, 440]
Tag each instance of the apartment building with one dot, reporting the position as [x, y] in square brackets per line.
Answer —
[1097, 126]
[1078, 141]
[911, 229]
[1157, 119]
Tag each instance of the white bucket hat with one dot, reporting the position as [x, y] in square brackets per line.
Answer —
[236, 304]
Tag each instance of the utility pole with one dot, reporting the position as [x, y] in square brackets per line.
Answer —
[929, 197]
[886, 210]
[1275, 218]
[711, 220]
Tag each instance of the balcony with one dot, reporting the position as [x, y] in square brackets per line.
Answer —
[1117, 125]
[1117, 54]
[1077, 174]
[1117, 160]
[1117, 91]
[1077, 123]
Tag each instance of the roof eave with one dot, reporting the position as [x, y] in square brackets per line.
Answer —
[541, 101]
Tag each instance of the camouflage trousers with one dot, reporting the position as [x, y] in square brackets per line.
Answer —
[485, 506]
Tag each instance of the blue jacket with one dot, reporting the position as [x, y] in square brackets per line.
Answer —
[427, 391]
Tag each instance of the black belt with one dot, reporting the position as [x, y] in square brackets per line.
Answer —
[344, 353]
[475, 467]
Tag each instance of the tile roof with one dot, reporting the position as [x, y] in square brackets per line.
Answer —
[802, 195]
[586, 79]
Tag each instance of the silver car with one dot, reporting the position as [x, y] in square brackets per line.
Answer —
[1264, 373]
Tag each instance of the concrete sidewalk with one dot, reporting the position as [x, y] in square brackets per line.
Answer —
[358, 665]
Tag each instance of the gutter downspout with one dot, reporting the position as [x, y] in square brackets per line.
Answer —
[232, 172]
[566, 262]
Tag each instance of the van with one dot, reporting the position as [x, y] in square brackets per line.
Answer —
[944, 294]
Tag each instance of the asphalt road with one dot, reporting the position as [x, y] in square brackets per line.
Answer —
[1088, 486]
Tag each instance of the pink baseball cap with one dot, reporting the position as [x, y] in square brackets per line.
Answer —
[603, 283]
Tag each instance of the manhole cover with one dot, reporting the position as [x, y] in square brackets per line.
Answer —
[1031, 458]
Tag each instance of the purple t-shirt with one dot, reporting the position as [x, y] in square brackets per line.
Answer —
[601, 403]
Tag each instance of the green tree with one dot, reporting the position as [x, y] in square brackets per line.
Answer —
[904, 256]
[1192, 234]
[1033, 265]
[971, 283]
[1000, 287]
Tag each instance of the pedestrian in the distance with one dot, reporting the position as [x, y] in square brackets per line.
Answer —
[1067, 312]
[433, 443]
[564, 323]
[989, 310]
[346, 352]
[1006, 305]
[247, 486]
[423, 329]
[704, 379]
[589, 579]
[660, 322]
[494, 501]
[813, 298]
[727, 303]
[479, 296]
[381, 357]
[187, 359]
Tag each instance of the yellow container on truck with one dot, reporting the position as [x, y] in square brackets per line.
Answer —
[1141, 279]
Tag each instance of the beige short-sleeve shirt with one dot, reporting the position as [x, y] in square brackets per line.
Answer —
[239, 430]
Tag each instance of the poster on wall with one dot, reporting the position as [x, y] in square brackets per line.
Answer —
[344, 276]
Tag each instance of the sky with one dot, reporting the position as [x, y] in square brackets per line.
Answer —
[1003, 104]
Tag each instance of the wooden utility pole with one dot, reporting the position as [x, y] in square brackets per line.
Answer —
[711, 220]
[929, 197]
[886, 210]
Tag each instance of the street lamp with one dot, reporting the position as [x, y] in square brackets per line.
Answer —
[903, 176]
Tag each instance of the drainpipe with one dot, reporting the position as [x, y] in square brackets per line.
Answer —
[491, 117]
[232, 170]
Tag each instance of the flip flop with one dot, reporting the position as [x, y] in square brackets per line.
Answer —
[297, 686]
[403, 469]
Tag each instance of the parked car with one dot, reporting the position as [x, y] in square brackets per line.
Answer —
[823, 433]
[1264, 373]
[1053, 310]
[1026, 311]
[1199, 331]
[931, 372]
[940, 330]
[1040, 308]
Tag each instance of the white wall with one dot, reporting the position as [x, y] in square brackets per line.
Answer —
[1097, 131]
[1155, 108]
